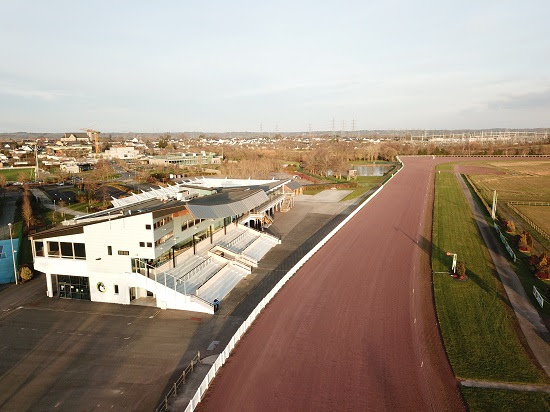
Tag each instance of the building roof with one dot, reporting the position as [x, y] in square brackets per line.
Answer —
[225, 204]
[293, 185]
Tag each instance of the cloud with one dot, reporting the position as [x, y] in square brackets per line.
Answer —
[29, 93]
[526, 101]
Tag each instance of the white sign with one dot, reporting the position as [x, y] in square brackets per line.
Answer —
[538, 296]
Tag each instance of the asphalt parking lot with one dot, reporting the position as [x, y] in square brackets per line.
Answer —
[79, 356]
[57, 193]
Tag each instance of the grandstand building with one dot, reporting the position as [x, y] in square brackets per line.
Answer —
[180, 247]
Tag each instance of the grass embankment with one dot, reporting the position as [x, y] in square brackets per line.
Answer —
[489, 400]
[13, 174]
[365, 183]
[477, 324]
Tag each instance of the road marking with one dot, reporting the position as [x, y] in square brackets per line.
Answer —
[213, 345]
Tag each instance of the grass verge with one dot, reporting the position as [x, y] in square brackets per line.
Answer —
[483, 399]
[477, 324]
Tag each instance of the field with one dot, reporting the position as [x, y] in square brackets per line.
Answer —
[12, 174]
[518, 180]
[540, 215]
[477, 324]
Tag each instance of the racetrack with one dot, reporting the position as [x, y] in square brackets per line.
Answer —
[355, 328]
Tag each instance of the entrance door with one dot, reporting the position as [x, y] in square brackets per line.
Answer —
[64, 290]
[132, 294]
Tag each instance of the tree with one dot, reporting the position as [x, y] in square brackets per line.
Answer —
[461, 269]
[3, 183]
[162, 144]
[522, 243]
[26, 209]
[543, 262]
[62, 204]
[22, 177]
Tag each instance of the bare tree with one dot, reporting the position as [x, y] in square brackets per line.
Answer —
[22, 177]
[3, 183]
[26, 209]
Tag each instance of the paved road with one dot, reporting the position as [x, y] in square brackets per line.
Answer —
[355, 328]
[529, 320]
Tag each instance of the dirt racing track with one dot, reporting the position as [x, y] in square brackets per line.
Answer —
[355, 328]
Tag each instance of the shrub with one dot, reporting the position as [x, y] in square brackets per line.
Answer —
[510, 226]
[461, 268]
[543, 261]
[25, 274]
[523, 243]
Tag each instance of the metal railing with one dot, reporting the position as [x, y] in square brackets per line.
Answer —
[163, 406]
[194, 270]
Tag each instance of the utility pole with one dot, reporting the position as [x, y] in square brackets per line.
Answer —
[36, 160]
[352, 126]
[333, 129]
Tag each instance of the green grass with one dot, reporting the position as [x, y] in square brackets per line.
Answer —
[489, 400]
[12, 174]
[477, 325]
[312, 192]
[79, 207]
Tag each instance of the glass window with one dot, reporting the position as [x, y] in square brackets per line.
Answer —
[80, 251]
[123, 252]
[149, 244]
[141, 244]
[53, 249]
[116, 289]
[148, 227]
[66, 249]
[109, 250]
[39, 248]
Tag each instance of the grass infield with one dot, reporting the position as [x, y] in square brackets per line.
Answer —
[12, 174]
[477, 324]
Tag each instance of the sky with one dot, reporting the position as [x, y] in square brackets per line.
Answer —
[215, 66]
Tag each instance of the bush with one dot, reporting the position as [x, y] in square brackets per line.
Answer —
[25, 274]
[461, 268]
[523, 242]
[510, 226]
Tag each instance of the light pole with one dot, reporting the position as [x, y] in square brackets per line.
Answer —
[174, 252]
[13, 255]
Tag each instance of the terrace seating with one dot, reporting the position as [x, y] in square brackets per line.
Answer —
[259, 248]
[222, 283]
